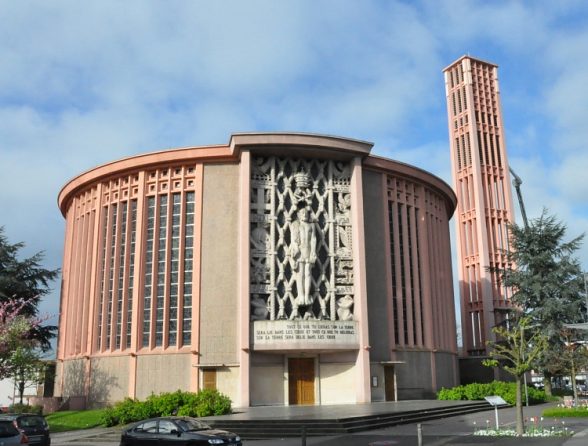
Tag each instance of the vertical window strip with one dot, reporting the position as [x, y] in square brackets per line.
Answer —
[402, 272]
[105, 223]
[174, 270]
[161, 268]
[468, 148]
[129, 315]
[457, 149]
[393, 267]
[418, 277]
[121, 273]
[111, 273]
[148, 288]
[188, 268]
[480, 152]
[411, 274]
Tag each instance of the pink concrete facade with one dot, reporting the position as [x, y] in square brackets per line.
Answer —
[157, 277]
[482, 183]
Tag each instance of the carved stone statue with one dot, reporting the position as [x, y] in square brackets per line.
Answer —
[259, 309]
[344, 305]
[260, 238]
[303, 254]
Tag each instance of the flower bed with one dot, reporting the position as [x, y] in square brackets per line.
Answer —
[534, 428]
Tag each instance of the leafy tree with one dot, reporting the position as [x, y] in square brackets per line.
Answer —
[516, 352]
[26, 282]
[546, 280]
[26, 368]
[16, 331]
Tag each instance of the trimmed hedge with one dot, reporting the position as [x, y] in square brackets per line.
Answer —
[477, 391]
[202, 404]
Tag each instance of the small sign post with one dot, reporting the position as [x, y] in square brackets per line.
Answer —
[495, 401]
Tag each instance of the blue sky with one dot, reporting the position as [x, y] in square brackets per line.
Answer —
[85, 83]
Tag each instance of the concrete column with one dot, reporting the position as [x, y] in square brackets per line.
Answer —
[363, 392]
[243, 338]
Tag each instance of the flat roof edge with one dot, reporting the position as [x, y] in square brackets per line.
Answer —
[239, 140]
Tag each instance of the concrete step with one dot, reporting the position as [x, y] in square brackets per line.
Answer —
[281, 428]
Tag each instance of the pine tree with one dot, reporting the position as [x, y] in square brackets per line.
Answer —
[547, 282]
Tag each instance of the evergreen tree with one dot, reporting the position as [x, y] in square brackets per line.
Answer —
[25, 282]
[546, 281]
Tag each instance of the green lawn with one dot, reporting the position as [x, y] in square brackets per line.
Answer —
[562, 412]
[70, 420]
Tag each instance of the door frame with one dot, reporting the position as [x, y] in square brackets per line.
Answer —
[392, 372]
[287, 376]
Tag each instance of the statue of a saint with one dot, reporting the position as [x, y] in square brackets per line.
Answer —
[303, 254]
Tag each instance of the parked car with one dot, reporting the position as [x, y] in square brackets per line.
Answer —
[10, 435]
[34, 426]
[176, 431]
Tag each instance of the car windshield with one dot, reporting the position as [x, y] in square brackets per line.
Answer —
[31, 422]
[192, 425]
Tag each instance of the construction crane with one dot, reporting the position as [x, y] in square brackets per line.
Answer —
[516, 182]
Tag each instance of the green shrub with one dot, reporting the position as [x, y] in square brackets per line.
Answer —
[202, 404]
[127, 411]
[477, 391]
[452, 394]
[25, 408]
[211, 402]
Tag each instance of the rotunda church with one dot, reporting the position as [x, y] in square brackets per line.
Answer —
[280, 269]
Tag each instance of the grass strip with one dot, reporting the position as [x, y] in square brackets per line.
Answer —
[71, 420]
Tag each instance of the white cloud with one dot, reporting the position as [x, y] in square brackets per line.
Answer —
[83, 83]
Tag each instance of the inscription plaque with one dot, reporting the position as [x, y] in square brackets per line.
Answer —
[304, 335]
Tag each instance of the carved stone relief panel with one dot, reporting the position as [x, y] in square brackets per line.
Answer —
[300, 240]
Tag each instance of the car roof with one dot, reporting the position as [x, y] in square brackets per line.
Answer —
[13, 416]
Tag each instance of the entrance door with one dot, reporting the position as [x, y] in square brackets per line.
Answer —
[390, 383]
[209, 379]
[301, 380]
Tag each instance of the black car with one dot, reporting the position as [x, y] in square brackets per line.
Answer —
[176, 431]
[34, 426]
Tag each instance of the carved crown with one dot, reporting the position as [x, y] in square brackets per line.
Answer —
[302, 179]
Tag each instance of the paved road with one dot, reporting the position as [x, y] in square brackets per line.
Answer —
[447, 431]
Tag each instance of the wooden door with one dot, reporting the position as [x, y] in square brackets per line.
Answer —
[209, 379]
[390, 383]
[301, 380]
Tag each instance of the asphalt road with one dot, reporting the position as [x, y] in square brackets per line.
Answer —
[448, 431]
